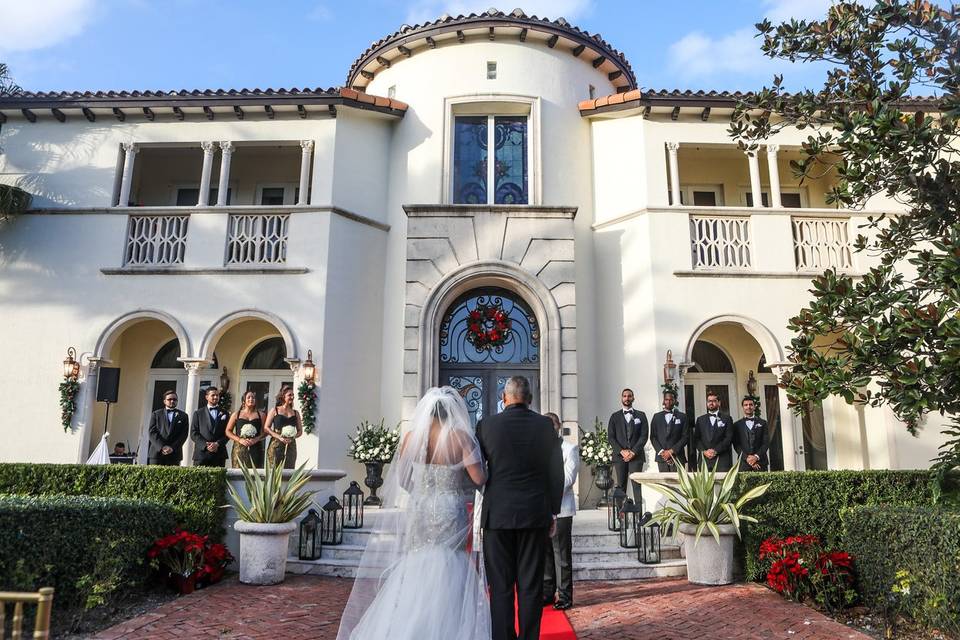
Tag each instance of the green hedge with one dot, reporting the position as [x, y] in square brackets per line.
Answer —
[196, 494]
[810, 502]
[91, 550]
[922, 541]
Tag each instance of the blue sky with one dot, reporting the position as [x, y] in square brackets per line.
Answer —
[191, 44]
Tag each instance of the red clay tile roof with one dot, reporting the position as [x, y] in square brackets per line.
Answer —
[491, 18]
[194, 98]
[677, 98]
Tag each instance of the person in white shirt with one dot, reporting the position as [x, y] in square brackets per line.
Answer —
[558, 571]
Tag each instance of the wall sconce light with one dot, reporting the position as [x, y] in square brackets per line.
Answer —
[71, 367]
[309, 369]
[669, 368]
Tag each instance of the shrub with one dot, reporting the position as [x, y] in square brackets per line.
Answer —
[908, 561]
[90, 549]
[196, 494]
[800, 568]
[810, 502]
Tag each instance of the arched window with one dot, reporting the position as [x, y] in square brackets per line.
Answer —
[267, 354]
[167, 357]
[489, 326]
[710, 359]
[762, 365]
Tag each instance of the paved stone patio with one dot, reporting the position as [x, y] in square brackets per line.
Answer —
[309, 607]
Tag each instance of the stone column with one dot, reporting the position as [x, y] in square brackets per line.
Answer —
[84, 416]
[755, 178]
[226, 154]
[209, 148]
[787, 433]
[193, 366]
[774, 170]
[129, 153]
[306, 153]
[672, 148]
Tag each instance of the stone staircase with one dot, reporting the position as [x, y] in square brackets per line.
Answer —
[597, 554]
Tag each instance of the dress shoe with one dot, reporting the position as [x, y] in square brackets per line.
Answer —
[562, 605]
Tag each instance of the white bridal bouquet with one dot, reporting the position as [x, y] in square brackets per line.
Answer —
[289, 431]
[374, 443]
[248, 431]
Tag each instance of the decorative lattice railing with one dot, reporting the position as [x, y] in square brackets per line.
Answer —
[720, 242]
[155, 240]
[821, 243]
[257, 239]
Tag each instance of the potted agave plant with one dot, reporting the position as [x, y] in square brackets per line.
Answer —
[265, 519]
[695, 506]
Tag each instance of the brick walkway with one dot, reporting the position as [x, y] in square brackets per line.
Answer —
[309, 607]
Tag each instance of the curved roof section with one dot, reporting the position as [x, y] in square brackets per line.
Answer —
[491, 25]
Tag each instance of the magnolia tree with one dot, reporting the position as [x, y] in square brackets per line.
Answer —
[13, 200]
[891, 337]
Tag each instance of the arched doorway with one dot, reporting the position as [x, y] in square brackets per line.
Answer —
[486, 336]
[265, 371]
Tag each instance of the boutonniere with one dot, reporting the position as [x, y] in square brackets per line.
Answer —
[721, 424]
[636, 421]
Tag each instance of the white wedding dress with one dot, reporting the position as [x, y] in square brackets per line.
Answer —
[417, 580]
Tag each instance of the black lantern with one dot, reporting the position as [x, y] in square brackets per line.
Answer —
[310, 538]
[629, 524]
[332, 526]
[649, 550]
[614, 505]
[353, 506]
[71, 368]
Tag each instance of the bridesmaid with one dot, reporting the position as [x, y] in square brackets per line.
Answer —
[283, 450]
[247, 451]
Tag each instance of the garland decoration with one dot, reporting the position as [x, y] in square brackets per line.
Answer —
[489, 326]
[68, 401]
[226, 401]
[306, 394]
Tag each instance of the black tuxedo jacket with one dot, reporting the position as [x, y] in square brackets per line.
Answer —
[717, 438]
[204, 430]
[631, 436]
[524, 469]
[669, 436]
[164, 433]
[754, 441]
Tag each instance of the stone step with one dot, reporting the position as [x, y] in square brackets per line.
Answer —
[617, 554]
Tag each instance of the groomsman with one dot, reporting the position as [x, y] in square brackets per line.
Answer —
[559, 560]
[208, 430]
[168, 431]
[668, 434]
[627, 431]
[714, 433]
[751, 438]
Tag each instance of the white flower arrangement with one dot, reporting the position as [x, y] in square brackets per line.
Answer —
[374, 443]
[289, 431]
[595, 450]
[248, 431]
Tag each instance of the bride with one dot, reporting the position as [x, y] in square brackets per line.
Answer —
[417, 579]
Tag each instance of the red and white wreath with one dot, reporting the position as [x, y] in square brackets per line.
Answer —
[488, 326]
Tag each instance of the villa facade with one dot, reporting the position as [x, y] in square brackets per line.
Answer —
[189, 237]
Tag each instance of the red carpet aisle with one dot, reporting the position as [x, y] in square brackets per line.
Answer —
[555, 626]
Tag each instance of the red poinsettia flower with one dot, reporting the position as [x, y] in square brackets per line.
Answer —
[475, 315]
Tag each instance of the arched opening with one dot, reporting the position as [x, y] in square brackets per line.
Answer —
[486, 336]
[729, 361]
[265, 371]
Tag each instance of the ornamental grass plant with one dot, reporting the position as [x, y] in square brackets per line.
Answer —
[696, 501]
[269, 499]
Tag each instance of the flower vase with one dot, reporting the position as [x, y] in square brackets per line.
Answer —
[183, 584]
[374, 481]
[603, 481]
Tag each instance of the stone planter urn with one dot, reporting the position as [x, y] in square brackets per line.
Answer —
[603, 481]
[708, 562]
[374, 481]
[263, 551]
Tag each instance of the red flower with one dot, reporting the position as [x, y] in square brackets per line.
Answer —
[476, 315]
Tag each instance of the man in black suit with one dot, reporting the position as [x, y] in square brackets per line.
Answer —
[714, 434]
[751, 438]
[208, 430]
[168, 431]
[520, 505]
[627, 431]
[668, 434]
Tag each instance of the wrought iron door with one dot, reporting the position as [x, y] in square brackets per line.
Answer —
[487, 336]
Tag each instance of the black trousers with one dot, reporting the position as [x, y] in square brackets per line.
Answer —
[558, 568]
[623, 470]
[514, 559]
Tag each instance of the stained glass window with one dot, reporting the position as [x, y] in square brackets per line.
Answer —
[472, 175]
[268, 354]
[519, 345]
[470, 160]
[511, 160]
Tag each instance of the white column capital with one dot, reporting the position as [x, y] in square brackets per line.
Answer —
[208, 146]
[226, 146]
[193, 365]
[294, 364]
[130, 147]
[306, 145]
[772, 149]
[673, 146]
